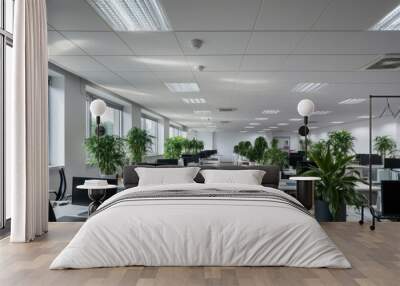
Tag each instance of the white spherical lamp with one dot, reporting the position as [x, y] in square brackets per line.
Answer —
[97, 107]
[305, 107]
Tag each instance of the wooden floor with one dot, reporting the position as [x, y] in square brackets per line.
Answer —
[375, 257]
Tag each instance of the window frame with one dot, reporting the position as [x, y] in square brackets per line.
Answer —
[6, 39]
[156, 136]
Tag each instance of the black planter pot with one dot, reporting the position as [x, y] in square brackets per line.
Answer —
[323, 214]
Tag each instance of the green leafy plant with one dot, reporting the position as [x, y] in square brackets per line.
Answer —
[338, 179]
[252, 153]
[260, 145]
[173, 147]
[236, 149]
[385, 146]
[275, 156]
[106, 152]
[139, 142]
[341, 141]
[193, 146]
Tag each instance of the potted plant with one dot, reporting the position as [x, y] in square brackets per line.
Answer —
[275, 156]
[336, 189]
[385, 146]
[341, 141]
[139, 142]
[173, 147]
[260, 145]
[106, 152]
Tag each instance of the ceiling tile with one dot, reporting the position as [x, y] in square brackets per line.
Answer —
[366, 42]
[103, 78]
[262, 62]
[175, 76]
[216, 63]
[122, 63]
[99, 43]
[152, 43]
[73, 15]
[142, 80]
[274, 42]
[354, 14]
[77, 63]
[289, 14]
[326, 62]
[166, 63]
[214, 42]
[58, 45]
[211, 15]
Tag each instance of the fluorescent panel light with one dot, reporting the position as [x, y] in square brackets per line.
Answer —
[243, 131]
[282, 124]
[254, 123]
[211, 126]
[321, 112]
[363, 117]
[205, 118]
[267, 129]
[273, 127]
[295, 119]
[132, 15]
[261, 131]
[336, 122]
[182, 86]
[261, 118]
[353, 101]
[249, 127]
[194, 100]
[308, 87]
[391, 22]
[201, 112]
[271, 111]
[313, 127]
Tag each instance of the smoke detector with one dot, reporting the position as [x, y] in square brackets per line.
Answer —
[199, 68]
[196, 43]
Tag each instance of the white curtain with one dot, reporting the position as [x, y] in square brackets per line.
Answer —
[27, 123]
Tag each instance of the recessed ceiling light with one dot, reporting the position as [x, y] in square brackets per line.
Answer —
[295, 119]
[244, 81]
[194, 100]
[353, 101]
[363, 117]
[182, 86]
[273, 127]
[308, 87]
[243, 131]
[161, 61]
[391, 22]
[336, 122]
[267, 129]
[260, 131]
[271, 111]
[282, 124]
[254, 123]
[201, 112]
[313, 127]
[321, 112]
[249, 127]
[132, 15]
[261, 118]
[205, 118]
[211, 126]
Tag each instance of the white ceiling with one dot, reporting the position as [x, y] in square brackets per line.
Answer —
[254, 53]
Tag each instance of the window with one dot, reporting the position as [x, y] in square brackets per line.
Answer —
[6, 43]
[111, 120]
[175, 131]
[151, 126]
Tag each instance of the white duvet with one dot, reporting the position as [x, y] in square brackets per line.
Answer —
[212, 231]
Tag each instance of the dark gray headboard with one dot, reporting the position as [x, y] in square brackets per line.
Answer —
[270, 179]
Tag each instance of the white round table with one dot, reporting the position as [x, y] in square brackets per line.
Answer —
[96, 194]
[305, 190]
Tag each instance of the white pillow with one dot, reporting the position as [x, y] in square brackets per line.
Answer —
[166, 176]
[248, 177]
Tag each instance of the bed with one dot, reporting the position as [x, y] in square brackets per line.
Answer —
[201, 225]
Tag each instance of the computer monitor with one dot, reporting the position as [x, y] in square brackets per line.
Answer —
[363, 159]
[392, 163]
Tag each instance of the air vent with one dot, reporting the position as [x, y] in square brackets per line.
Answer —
[386, 63]
[225, 121]
[226, 109]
